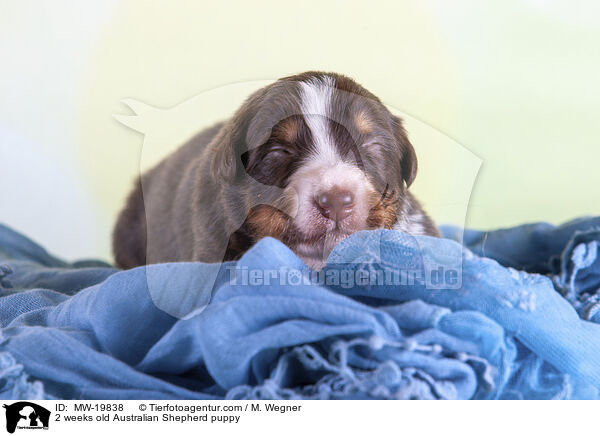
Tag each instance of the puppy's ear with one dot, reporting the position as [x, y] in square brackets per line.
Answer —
[228, 148]
[408, 157]
[224, 162]
[232, 146]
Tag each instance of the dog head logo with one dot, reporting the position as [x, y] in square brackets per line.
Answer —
[26, 415]
[305, 162]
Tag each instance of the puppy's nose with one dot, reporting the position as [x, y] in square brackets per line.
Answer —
[335, 204]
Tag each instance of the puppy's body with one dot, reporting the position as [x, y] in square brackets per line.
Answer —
[309, 160]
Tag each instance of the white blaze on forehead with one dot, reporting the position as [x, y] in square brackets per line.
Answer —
[316, 95]
[322, 170]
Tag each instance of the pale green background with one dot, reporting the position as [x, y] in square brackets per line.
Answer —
[514, 82]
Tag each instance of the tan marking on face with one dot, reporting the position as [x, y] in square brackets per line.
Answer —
[382, 213]
[287, 130]
[363, 122]
[265, 220]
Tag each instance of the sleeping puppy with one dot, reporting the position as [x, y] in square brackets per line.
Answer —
[309, 160]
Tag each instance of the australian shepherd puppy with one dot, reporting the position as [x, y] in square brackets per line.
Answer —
[309, 160]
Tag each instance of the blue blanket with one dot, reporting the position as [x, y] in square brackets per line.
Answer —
[514, 315]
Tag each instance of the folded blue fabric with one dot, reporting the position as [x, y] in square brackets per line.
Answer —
[513, 315]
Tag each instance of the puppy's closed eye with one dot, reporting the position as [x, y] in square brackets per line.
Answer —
[279, 152]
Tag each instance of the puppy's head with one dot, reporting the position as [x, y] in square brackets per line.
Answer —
[340, 159]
